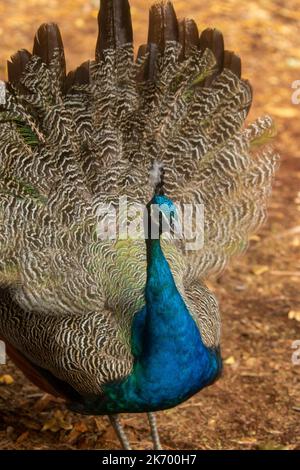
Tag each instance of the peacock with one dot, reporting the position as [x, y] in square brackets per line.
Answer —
[124, 324]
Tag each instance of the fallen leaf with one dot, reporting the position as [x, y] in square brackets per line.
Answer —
[99, 424]
[43, 402]
[81, 427]
[271, 445]
[247, 441]
[259, 269]
[294, 315]
[211, 424]
[6, 379]
[229, 361]
[56, 423]
[255, 238]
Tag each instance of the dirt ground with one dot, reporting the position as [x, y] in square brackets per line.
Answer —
[256, 404]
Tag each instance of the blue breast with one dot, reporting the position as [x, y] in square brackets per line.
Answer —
[168, 372]
[171, 362]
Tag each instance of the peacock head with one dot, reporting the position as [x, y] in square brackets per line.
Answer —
[161, 217]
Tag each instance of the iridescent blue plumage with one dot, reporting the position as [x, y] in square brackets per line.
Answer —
[171, 361]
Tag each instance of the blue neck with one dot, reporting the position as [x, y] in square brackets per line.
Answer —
[171, 361]
[167, 319]
[171, 352]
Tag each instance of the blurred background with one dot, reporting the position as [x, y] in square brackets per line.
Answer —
[256, 405]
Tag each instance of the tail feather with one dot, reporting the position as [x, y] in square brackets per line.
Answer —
[163, 25]
[17, 66]
[232, 62]
[146, 61]
[115, 27]
[213, 39]
[78, 77]
[48, 45]
[188, 37]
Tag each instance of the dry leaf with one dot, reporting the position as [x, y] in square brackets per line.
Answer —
[6, 379]
[56, 423]
[99, 423]
[247, 441]
[229, 361]
[43, 402]
[81, 427]
[259, 269]
[255, 238]
[211, 423]
[294, 315]
[271, 445]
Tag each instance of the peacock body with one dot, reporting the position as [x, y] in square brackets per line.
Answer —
[123, 325]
